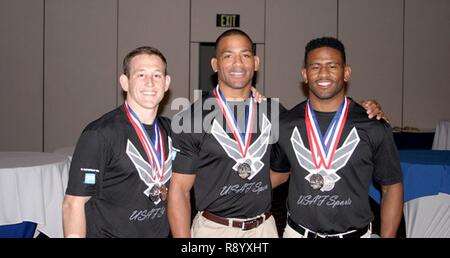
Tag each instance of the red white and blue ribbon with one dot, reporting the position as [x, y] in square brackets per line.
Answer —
[324, 148]
[153, 148]
[243, 139]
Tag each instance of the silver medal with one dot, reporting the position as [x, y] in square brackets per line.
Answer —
[316, 181]
[328, 184]
[244, 170]
[154, 193]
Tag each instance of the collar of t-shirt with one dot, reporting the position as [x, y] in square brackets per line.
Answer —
[324, 120]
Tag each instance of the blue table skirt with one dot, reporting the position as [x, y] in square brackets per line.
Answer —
[21, 230]
[425, 172]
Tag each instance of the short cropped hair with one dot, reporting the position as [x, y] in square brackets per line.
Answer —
[232, 32]
[325, 42]
[138, 51]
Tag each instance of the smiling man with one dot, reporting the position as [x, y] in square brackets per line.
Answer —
[332, 150]
[227, 161]
[119, 174]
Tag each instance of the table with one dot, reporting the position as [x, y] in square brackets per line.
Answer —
[441, 139]
[32, 186]
[66, 151]
[426, 180]
[413, 140]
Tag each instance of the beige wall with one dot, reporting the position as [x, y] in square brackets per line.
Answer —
[164, 25]
[374, 48]
[290, 24]
[80, 71]
[21, 73]
[427, 63]
[60, 65]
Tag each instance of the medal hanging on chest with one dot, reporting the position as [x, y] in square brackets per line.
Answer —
[154, 149]
[323, 148]
[243, 140]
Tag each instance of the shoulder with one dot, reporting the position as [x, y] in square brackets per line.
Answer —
[296, 112]
[377, 131]
[358, 114]
[109, 119]
[110, 127]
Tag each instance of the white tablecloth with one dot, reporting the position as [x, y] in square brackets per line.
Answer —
[426, 182]
[66, 151]
[32, 186]
[428, 216]
[441, 139]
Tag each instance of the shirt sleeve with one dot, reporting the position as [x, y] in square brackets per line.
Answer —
[186, 157]
[386, 160]
[88, 165]
[278, 159]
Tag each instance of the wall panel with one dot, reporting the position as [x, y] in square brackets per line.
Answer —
[427, 62]
[21, 68]
[164, 25]
[372, 32]
[290, 24]
[80, 66]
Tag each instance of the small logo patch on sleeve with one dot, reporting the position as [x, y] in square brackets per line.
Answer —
[89, 178]
[174, 152]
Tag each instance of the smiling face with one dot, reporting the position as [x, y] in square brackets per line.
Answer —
[235, 62]
[325, 74]
[146, 83]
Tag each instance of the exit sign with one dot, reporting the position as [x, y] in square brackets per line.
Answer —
[227, 20]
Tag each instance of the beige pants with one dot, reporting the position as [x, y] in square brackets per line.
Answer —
[291, 233]
[205, 228]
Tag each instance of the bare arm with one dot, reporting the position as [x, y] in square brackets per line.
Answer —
[278, 178]
[179, 204]
[391, 209]
[74, 218]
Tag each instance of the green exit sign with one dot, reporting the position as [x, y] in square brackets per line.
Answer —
[227, 20]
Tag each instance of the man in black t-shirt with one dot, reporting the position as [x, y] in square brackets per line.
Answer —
[332, 151]
[223, 151]
[121, 167]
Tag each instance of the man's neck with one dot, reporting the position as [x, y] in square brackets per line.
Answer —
[326, 105]
[146, 116]
[235, 94]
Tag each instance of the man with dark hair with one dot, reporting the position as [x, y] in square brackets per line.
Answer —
[122, 162]
[226, 162]
[332, 151]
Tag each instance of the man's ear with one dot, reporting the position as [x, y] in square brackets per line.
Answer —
[347, 73]
[214, 64]
[304, 75]
[256, 63]
[168, 79]
[123, 79]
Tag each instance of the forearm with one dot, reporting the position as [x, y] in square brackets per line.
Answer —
[74, 219]
[277, 178]
[391, 209]
[179, 214]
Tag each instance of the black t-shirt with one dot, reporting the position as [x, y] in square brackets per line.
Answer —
[111, 166]
[212, 154]
[369, 151]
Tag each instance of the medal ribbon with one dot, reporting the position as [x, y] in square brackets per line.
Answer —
[153, 148]
[324, 148]
[243, 139]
